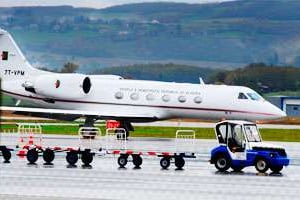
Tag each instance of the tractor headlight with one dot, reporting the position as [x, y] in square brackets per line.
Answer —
[272, 155]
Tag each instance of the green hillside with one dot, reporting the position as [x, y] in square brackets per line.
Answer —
[263, 78]
[161, 72]
[229, 34]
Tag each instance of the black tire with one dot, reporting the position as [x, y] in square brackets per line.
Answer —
[165, 163]
[32, 156]
[48, 156]
[87, 158]
[276, 169]
[121, 135]
[126, 133]
[179, 162]
[137, 160]
[72, 157]
[222, 162]
[88, 137]
[237, 169]
[261, 165]
[6, 155]
[122, 161]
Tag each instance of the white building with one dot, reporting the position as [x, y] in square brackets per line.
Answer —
[291, 105]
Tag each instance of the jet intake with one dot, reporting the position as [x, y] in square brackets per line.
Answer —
[67, 86]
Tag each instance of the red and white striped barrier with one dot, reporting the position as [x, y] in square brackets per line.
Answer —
[148, 153]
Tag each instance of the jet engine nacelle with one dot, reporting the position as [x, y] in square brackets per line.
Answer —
[68, 86]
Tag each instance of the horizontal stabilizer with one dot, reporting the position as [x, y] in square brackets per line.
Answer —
[2, 32]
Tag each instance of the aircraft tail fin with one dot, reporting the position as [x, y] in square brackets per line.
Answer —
[13, 64]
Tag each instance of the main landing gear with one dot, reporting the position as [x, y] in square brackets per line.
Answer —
[127, 127]
[90, 122]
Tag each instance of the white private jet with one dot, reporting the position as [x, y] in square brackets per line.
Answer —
[70, 96]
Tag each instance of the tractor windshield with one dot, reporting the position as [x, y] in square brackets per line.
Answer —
[252, 133]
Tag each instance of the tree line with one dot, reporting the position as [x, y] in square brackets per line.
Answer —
[261, 77]
[258, 76]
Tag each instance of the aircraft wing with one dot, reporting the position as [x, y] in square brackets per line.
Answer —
[71, 115]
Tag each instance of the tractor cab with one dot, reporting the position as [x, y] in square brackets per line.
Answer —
[232, 135]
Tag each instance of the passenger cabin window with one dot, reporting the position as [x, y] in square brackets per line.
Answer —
[242, 96]
[134, 96]
[150, 97]
[198, 99]
[166, 98]
[119, 95]
[182, 99]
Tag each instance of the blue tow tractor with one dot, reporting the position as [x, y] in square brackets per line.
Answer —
[240, 145]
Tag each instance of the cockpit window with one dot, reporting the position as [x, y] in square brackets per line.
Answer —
[242, 96]
[254, 96]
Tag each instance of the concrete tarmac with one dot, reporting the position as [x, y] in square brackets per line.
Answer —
[105, 180]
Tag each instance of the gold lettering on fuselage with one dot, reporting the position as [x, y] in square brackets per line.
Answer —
[157, 91]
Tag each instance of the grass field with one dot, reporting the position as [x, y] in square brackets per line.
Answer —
[286, 135]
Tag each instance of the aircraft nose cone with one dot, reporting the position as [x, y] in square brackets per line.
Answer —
[281, 114]
[278, 113]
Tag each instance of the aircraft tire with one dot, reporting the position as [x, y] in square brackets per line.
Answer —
[126, 133]
[32, 156]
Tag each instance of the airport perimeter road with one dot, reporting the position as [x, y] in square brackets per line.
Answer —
[104, 180]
